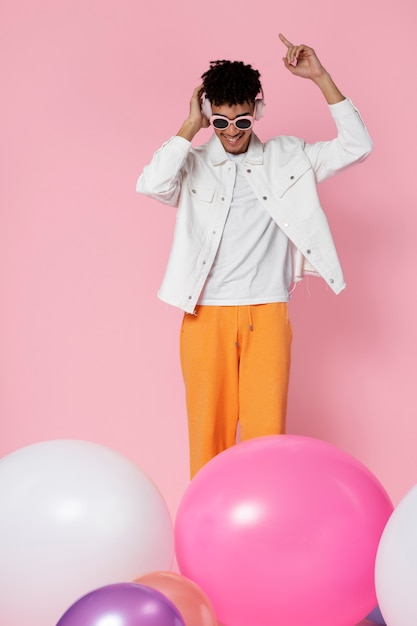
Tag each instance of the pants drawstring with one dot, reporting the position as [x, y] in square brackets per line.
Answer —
[250, 321]
[250, 317]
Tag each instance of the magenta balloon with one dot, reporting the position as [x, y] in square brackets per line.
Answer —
[283, 530]
[123, 604]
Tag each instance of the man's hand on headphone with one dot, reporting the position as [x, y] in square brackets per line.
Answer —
[195, 108]
[195, 120]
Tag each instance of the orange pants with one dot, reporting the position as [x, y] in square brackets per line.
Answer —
[235, 362]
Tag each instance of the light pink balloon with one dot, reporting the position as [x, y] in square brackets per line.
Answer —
[191, 601]
[283, 530]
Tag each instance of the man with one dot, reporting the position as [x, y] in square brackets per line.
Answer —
[249, 223]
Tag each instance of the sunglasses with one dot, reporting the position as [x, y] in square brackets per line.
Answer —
[244, 122]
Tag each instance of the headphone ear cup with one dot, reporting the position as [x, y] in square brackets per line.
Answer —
[205, 106]
[259, 110]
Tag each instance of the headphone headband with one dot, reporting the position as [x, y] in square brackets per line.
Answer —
[259, 110]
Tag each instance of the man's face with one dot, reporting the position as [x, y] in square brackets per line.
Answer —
[234, 140]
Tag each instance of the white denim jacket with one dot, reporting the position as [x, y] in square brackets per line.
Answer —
[283, 173]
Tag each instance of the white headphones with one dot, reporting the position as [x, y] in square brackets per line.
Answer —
[258, 112]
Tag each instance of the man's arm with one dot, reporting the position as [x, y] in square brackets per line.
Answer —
[161, 178]
[196, 120]
[352, 143]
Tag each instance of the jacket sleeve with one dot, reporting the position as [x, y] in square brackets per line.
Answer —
[161, 179]
[352, 144]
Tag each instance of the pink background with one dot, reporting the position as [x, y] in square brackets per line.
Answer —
[89, 90]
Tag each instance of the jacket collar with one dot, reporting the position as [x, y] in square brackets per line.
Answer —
[217, 154]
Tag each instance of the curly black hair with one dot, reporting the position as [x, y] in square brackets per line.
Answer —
[231, 82]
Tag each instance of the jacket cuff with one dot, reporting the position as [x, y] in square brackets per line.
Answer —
[342, 108]
[179, 143]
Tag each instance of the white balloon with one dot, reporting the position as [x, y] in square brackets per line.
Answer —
[396, 565]
[74, 516]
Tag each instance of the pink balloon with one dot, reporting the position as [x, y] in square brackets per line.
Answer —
[283, 530]
[191, 601]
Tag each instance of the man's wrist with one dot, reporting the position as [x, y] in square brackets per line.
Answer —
[328, 87]
[189, 129]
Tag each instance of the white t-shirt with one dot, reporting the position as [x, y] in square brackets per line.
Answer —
[253, 262]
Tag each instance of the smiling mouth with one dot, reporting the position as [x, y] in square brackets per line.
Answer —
[233, 140]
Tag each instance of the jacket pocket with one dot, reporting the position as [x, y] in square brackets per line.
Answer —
[200, 192]
[291, 173]
[196, 207]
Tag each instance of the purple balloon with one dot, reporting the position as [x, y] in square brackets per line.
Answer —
[123, 604]
[376, 616]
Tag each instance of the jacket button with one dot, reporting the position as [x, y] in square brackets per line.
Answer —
[190, 297]
[286, 224]
[308, 251]
[248, 171]
[193, 190]
[264, 198]
[292, 177]
[331, 281]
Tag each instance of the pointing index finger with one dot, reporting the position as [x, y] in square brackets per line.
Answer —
[285, 41]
